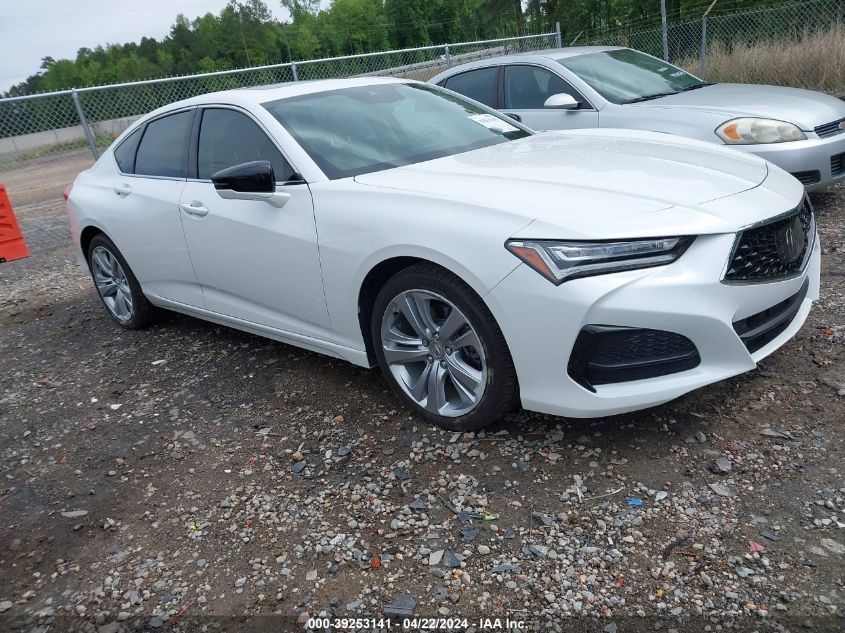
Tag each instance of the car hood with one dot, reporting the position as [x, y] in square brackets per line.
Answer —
[804, 108]
[594, 182]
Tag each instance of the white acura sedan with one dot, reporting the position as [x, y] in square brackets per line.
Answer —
[478, 264]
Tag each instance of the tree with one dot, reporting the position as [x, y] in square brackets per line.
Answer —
[244, 33]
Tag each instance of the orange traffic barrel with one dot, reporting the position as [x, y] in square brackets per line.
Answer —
[12, 245]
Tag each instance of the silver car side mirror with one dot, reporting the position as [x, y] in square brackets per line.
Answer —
[561, 101]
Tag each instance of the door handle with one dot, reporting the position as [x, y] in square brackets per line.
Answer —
[194, 208]
[123, 190]
[515, 117]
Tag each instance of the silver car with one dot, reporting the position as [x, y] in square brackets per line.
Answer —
[801, 131]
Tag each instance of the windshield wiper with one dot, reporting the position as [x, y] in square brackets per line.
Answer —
[656, 95]
[702, 84]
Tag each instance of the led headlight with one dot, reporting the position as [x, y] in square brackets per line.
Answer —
[559, 261]
[752, 131]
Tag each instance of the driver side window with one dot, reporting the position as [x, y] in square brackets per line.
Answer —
[528, 87]
[229, 138]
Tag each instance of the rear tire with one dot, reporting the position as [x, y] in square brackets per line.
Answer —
[117, 286]
[440, 349]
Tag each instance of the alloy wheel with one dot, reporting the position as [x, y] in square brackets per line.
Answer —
[111, 283]
[434, 353]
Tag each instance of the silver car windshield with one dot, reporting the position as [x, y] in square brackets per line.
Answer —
[628, 76]
[352, 131]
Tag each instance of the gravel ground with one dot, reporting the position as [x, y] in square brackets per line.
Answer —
[192, 477]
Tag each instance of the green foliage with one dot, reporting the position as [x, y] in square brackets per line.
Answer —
[245, 33]
[593, 17]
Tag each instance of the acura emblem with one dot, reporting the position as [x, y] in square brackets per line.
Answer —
[791, 241]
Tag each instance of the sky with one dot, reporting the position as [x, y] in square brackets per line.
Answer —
[33, 29]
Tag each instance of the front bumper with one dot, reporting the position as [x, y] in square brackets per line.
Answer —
[817, 162]
[541, 323]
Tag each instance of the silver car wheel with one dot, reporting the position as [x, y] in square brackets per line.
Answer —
[111, 283]
[434, 353]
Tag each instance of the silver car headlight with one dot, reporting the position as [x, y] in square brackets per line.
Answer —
[559, 261]
[753, 131]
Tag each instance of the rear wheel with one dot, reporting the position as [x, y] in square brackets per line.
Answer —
[117, 286]
[440, 349]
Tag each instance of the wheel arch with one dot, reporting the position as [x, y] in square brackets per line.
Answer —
[382, 271]
[86, 235]
[373, 282]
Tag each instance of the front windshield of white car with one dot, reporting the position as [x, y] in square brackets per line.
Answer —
[628, 76]
[362, 129]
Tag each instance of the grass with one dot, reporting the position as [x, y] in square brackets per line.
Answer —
[806, 59]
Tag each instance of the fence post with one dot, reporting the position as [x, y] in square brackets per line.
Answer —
[557, 34]
[702, 62]
[664, 27]
[85, 127]
[448, 56]
[293, 70]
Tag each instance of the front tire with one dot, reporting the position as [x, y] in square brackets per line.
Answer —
[117, 286]
[440, 349]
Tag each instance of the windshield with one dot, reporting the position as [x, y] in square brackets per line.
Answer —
[352, 131]
[625, 76]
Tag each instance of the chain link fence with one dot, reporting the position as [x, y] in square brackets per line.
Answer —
[49, 127]
[799, 44]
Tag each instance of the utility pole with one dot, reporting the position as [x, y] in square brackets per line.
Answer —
[287, 44]
[243, 39]
[665, 29]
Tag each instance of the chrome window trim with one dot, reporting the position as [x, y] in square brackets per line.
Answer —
[153, 177]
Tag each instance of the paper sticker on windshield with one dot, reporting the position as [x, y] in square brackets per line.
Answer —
[493, 123]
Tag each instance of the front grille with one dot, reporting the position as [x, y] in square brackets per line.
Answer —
[775, 250]
[762, 328]
[837, 164]
[605, 354]
[830, 129]
[808, 177]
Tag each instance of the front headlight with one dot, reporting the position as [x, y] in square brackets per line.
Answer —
[752, 131]
[561, 261]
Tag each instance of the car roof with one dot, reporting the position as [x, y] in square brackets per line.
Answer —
[256, 95]
[541, 56]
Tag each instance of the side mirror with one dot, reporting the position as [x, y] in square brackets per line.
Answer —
[561, 101]
[249, 181]
[253, 177]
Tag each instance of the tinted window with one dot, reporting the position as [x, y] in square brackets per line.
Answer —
[164, 147]
[124, 153]
[625, 75]
[476, 84]
[528, 87]
[358, 130]
[229, 138]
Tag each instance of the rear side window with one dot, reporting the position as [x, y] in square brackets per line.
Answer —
[164, 147]
[230, 138]
[124, 154]
[480, 85]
